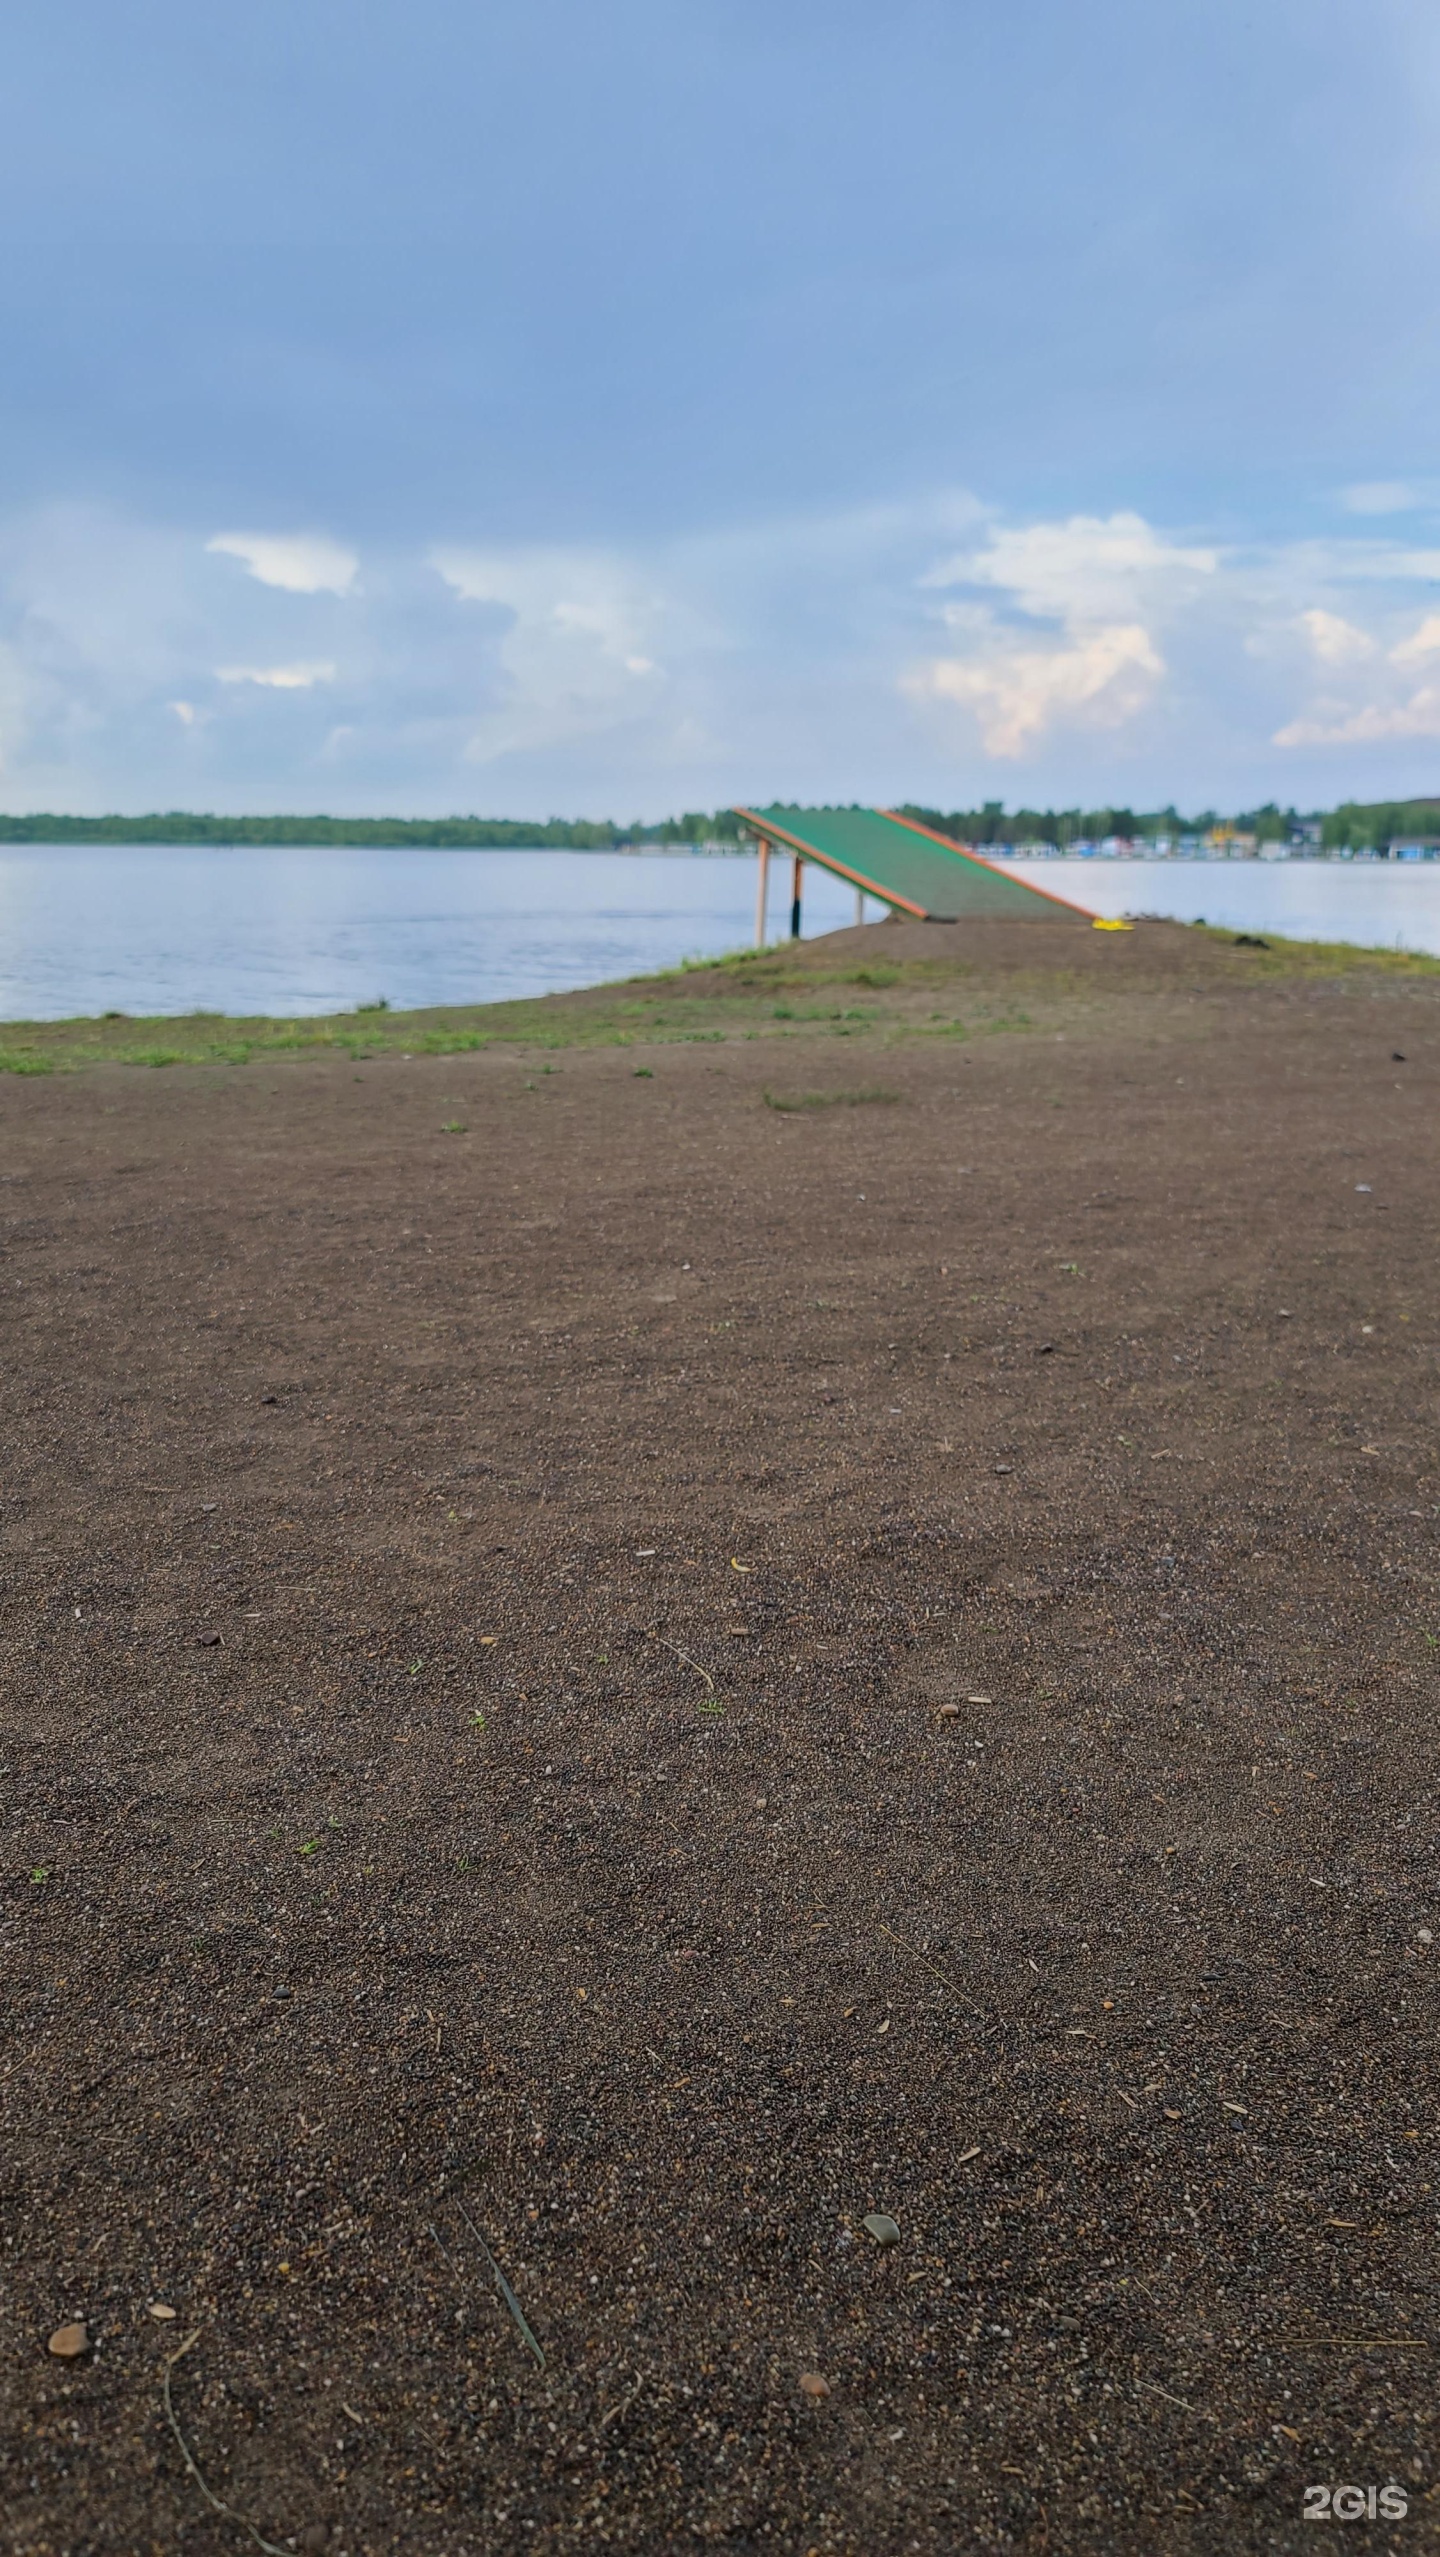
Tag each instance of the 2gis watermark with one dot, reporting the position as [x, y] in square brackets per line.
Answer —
[1355, 2503]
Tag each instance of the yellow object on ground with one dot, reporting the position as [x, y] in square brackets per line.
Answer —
[1112, 923]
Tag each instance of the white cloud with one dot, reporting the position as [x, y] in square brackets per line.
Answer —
[301, 563]
[1374, 724]
[1336, 642]
[811, 656]
[1390, 714]
[281, 679]
[1099, 681]
[574, 659]
[1379, 497]
[1105, 580]
[1090, 568]
[1421, 644]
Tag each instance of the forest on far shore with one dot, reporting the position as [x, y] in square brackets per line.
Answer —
[1354, 823]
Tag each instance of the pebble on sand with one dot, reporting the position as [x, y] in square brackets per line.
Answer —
[813, 2385]
[882, 2228]
[69, 2342]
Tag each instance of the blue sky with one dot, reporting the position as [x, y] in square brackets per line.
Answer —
[532, 408]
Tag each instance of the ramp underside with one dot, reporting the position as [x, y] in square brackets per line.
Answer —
[916, 872]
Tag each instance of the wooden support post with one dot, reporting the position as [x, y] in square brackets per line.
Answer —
[859, 905]
[795, 883]
[762, 892]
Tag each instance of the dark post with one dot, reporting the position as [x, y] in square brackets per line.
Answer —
[795, 878]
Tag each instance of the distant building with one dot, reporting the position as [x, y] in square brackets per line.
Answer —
[1414, 848]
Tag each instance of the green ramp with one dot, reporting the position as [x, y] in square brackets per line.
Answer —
[904, 864]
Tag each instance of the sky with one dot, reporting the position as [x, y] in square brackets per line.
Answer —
[533, 409]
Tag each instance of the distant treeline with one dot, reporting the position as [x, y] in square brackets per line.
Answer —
[179, 825]
[1355, 823]
[1379, 821]
[991, 824]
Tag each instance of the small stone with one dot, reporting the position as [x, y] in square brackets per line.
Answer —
[947, 1713]
[316, 2534]
[979, 1700]
[69, 2342]
[281, 1992]
[813, 2385]
[159, 2309]
[1425, 1935]
[882, 2229]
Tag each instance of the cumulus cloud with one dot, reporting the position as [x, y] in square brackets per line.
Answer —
[1016, 694]
[300, 563]
[1373, 724]
[1421, 644]
[574, 653]
[1336, 642]
[919, 650]
[1390, 713]
[281, 679]
[1073, 643]
[1088, 568]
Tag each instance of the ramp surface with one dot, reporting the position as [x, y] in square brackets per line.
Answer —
[911, 869]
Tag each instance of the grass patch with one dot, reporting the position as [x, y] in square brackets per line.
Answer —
[797, 991]
[871, 1092]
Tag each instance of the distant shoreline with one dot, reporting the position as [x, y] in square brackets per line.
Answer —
[193, 833]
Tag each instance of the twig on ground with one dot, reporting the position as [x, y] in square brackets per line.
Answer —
[930, 1966]
[1152, 2391]
[689, 1663]
[506, 2293]
[226, 2511]
[621, 2407]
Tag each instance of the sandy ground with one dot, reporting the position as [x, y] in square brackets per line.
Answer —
[600, 1671]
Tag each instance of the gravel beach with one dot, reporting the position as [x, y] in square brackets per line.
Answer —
[616, 1662]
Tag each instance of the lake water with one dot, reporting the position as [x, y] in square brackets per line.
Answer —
[1383, 904]
[166, 929]
[142, 930]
